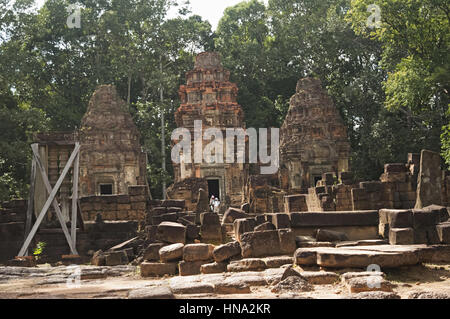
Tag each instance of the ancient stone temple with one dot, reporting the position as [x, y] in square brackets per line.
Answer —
[313, 138]
[112, 176]
[210, 97]
[111, 154]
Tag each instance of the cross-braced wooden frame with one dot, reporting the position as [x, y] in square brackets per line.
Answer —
[51, 200]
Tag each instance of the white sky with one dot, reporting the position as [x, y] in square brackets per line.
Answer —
[211, 10]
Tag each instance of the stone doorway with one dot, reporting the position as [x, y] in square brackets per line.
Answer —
[214, 188]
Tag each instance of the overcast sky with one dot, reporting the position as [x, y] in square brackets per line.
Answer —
[211, 10]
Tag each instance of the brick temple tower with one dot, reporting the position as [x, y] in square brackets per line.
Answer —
[313, 138]
[210, 97]
[111, 155]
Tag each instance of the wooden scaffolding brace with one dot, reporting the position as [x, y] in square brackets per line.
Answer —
[51, 200]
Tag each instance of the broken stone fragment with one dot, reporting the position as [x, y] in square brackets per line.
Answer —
[198, 252]
[171, 253]
[151, 253]
[171, 232]
[226, 251]
[150, 269]
[323, 235]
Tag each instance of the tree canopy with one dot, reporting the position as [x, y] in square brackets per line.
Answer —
[390, 83]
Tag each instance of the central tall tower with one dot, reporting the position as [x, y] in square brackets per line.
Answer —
[210, 97]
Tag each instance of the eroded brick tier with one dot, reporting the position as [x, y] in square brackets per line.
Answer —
[210, 97]
[110, 150]
[313, 138]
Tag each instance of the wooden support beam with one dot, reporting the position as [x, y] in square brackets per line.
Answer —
[76, 167]
[30, 207]
[50, 200]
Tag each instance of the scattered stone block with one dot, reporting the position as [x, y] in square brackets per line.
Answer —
[150, 269]
[320, 277]
[151, 293]
[265, 226]
[369, 283]
[401, 236]
[305, 257]
[232, 287]
[227, 251]
[232, 214]
[198, 252]
[211, 229]
[190, 268]
[443, 231]
[151, 253]
[98, 259]
[361, 258]
[429, 180]
[213, 268]
[277, 262]
[268, 243]
[330, 236]
[116, 258]
[171, 232]
[242, 226]
[171, 253]
[279, 220]
[189, 288]
[248, 264]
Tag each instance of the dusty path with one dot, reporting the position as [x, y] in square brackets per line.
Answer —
[432, 281]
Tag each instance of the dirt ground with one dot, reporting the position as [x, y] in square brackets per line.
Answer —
[428, 278]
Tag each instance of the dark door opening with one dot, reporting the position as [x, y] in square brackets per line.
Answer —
[106, 189]
[213, 187]
[316, 179]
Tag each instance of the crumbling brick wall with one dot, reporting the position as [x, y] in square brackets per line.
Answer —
[117, 207]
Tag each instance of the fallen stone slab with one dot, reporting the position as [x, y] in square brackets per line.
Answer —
[354, 258]
[369, 283]
[227, 251]
[232, 286]
[198, 252]
[115, 258]
[232, 214]
[443, 231]
[268, 243]
[375, 295]
[349, 275]
[213, 268]
[171, 233]
[189, 268]
[187, 287]
[265, 226]
[306, 256]
[171, 253]
[330, 236]
[312, 244]
[150, 269]
[320, 277]
[151, 253]
[278, 261]
[151, 293]
[324, 219]
[247, 264]
[401, 236]
[425, 253]
[249, 279]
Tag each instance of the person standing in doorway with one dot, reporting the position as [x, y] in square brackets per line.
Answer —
[211, 203]
[216, 205]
